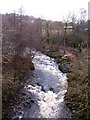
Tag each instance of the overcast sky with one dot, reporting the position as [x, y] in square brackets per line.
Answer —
[48, 9]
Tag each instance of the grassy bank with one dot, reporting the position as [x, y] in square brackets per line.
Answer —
[76, 64]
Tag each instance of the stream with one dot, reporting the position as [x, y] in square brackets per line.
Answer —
[43, 96]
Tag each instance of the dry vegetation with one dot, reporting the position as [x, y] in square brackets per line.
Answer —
[77, 73]
[77, 95]
[47, 36]
[14, 63]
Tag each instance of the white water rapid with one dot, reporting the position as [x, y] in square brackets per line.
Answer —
[47, 90]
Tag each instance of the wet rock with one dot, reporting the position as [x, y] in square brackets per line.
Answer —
[23, 93]
[19, 107]
[29, 97]
[43, 89]
[32, 85]
[51, 89]
[65, 67]
[27, 104]
[57, 61]
[32, 67]
[32, 101]
[20, 112]
[38, 84]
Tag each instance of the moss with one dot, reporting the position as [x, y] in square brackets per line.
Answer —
[54, 54]
[82, 114]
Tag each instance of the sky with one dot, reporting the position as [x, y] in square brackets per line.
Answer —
[48, 9]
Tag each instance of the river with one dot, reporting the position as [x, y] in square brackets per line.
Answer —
[43, 97]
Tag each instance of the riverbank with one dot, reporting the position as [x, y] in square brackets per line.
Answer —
[43, 96]
[75, 64]
[13, 82]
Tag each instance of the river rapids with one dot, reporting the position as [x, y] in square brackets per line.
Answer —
[44, 96]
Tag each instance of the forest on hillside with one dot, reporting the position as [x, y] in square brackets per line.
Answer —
[66, 41]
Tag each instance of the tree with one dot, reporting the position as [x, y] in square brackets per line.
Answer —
[65, 28]
[76, 38]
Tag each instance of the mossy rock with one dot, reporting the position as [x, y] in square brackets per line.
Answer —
[65, 67]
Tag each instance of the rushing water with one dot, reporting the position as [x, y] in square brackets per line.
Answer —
[44, 96]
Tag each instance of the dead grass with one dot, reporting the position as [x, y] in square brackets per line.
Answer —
[11, 84]
[77, 94]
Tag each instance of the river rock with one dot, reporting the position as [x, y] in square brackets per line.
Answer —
[64, 67]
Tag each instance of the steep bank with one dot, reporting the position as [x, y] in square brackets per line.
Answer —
[13, 80]
[75, 64]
